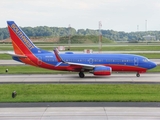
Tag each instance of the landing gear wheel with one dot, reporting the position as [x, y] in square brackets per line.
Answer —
[138, 75]
[81, 74]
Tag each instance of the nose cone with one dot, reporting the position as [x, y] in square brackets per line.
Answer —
[152, 65]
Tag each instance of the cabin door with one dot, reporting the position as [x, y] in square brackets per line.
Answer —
[136, 61]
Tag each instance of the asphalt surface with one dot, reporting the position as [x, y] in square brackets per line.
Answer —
[80, 110]
[81, 104]
[80, 113]
[115, 78]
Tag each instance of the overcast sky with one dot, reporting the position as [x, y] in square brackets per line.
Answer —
[118, 15]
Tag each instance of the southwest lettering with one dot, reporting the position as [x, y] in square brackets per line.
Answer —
[22, 36]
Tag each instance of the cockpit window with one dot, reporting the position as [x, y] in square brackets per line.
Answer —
[145, 60]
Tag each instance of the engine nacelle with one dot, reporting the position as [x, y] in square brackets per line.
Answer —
[102, 70]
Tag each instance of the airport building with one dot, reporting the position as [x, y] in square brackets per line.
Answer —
[149, 38]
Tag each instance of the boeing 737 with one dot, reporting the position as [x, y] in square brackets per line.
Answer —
[98, 64]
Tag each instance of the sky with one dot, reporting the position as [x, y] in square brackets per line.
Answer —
[117, 15]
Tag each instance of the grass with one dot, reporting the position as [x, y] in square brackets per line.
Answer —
[150, 55]
[104, 48]
[80, 93]
[96, 48]
[157, 69]
[5, 57]
[28, 70]
[112, 48]
[36, 70]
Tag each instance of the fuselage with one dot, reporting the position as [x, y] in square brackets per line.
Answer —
[118, 62]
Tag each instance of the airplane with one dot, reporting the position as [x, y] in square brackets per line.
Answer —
[97, 64]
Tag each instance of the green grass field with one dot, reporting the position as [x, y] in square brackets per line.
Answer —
[80, 93]
[36, 70]
[104, 48]
[28, 70]
[113, 48]
[96, 48]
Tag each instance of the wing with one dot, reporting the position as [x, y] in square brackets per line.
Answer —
[60, 61]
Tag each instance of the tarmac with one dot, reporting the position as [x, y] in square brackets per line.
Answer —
[115, 78]
[80, 113]
[82, 110]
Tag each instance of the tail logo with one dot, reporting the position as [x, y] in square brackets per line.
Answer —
[22, 36]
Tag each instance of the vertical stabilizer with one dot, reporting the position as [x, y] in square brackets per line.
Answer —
[21, 43]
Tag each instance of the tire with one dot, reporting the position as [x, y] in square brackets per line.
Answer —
[138, 75]
[81, 74]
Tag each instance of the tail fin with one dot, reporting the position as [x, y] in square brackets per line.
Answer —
[22, 45]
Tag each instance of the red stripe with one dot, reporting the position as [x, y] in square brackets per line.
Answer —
[126, 68]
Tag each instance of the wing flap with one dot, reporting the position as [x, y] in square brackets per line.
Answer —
[80, 64]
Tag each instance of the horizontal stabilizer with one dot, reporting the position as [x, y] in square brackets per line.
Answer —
[16, 55]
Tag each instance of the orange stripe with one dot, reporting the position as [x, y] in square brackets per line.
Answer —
[18, 51]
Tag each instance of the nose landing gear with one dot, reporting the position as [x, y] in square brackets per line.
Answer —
[138, 74]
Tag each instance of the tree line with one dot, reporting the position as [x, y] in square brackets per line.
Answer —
[44, 31]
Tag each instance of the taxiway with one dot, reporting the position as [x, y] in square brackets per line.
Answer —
[79, 111]
[146, 78]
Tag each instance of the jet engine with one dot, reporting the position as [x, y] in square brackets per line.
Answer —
[102, 70]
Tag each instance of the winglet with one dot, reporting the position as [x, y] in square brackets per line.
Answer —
[59, 59]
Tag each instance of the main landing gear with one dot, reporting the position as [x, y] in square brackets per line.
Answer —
[138, 74]
[81, 74]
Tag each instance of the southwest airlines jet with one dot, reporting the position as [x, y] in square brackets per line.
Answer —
[98, 64]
